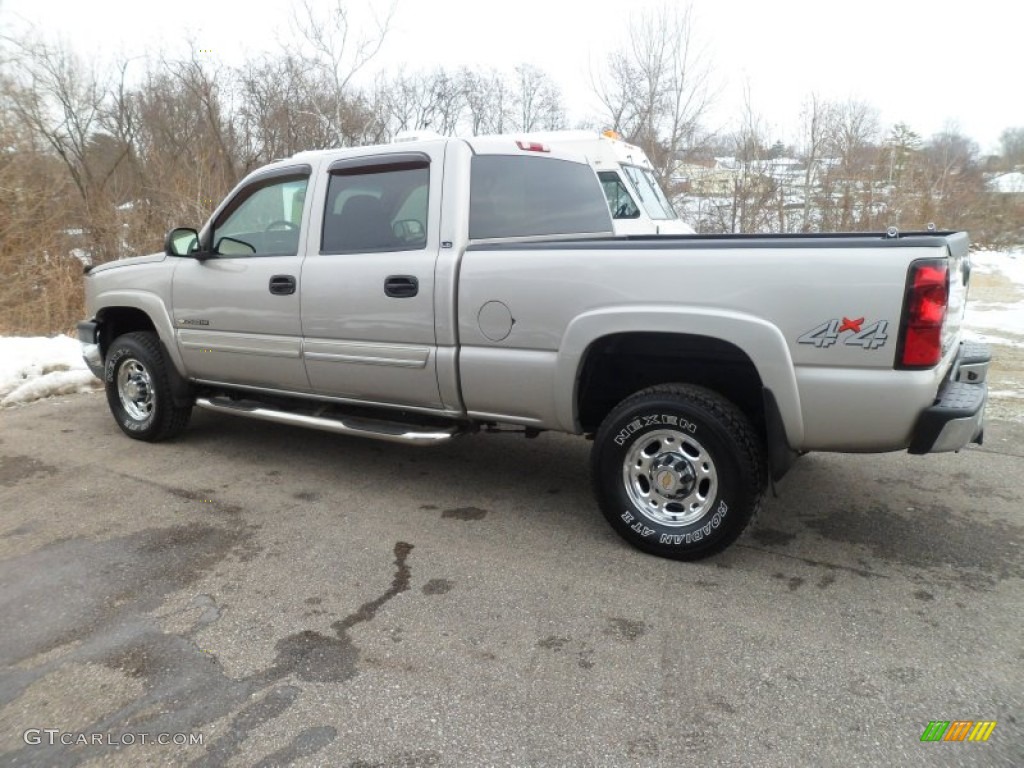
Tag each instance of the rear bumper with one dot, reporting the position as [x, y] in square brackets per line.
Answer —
[957, 418]
[90, 348]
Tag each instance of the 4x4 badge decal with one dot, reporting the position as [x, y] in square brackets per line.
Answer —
[828, 333]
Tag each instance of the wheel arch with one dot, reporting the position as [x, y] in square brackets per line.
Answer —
[126, 311]
[743, 357]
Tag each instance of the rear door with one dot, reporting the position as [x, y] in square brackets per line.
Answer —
[236, 313]
[368, 291]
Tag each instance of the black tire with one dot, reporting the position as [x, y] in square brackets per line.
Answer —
[139, 391]
[705, 457]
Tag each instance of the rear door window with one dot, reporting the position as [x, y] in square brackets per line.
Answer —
[377, 208]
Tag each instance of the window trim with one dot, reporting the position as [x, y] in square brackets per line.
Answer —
[357, 166]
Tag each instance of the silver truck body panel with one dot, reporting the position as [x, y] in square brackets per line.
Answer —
[142, 283]
[256, 339]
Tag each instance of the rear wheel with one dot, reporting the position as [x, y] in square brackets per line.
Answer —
[139, 391]
[678, 471]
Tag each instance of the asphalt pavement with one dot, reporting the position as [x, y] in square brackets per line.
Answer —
[291, 597]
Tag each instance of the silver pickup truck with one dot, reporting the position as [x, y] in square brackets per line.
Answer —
[419, 291]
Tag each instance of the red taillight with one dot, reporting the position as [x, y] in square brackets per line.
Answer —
[924, 313]
[533, 146]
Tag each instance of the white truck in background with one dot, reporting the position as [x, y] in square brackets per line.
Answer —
[637, 203]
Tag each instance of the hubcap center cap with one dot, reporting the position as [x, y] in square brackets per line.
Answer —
[672, 476]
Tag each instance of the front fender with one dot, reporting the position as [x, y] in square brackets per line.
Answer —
[760, 340]
[155, 309]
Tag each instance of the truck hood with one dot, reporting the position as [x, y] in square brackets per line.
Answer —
[150, 259]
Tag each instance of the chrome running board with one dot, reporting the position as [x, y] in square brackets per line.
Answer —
[360, 427]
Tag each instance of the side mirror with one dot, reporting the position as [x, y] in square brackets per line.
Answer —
[181, 241]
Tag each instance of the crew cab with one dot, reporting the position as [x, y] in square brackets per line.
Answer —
[420, 291]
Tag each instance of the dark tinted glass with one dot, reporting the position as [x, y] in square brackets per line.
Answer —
[376, 209]
[515, 196]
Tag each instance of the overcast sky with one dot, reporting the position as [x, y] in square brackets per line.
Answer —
[925, 63]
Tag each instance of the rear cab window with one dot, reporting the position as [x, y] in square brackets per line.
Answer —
[517, 196]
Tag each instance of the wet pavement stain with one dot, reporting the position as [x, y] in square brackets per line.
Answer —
[771, 537]
[14, 469]
[315, 657]
[465, 513]
[552, 643]
[93, 604]
[437, 587]
[626, 629]
[826, 581]
[251, 717]
[792, 582]
[931, 537]
[94, 601]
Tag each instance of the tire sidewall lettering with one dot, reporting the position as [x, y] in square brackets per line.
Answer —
[112, 364]
[702, 530]
[654, 420]
[125, 421]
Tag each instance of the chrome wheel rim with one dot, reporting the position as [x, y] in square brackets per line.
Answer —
[135, 389]
[670, 477]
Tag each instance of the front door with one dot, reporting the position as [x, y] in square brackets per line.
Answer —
[368, 294]
[236, 313]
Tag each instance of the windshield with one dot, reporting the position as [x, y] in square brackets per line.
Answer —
[649, 193]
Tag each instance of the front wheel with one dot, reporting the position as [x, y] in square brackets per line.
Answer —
[139, 391]
[678, 471]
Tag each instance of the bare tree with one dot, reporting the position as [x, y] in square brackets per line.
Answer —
[1011, 143]
[336, 54]
[536, 100]
[489, 101]
[817, 128]
[656, 88]
[422, 100]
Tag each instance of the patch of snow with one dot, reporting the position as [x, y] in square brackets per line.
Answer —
[990, 322]
[82, 255]
[1008, 263]
[37, 367]
[1005, 318]
[1008, 394]
[987, 338]
[1008, 183]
